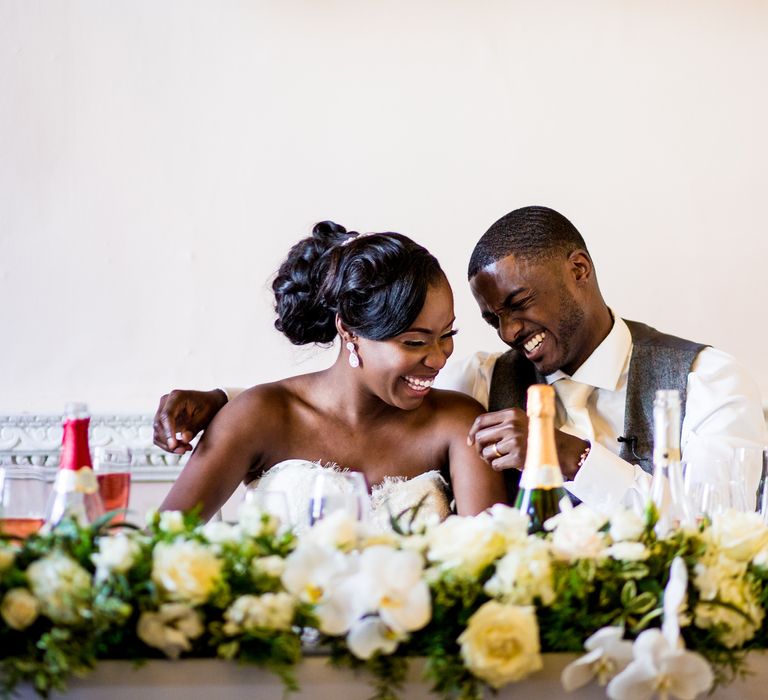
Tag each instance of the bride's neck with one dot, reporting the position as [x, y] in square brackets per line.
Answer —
[338, 392]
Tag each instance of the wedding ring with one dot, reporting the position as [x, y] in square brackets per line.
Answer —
[496, 449]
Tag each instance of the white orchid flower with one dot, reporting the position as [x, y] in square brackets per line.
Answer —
[675, 595]
[371, 635]
[316, 575]
[608, 653]
[662, 669]
[390, 582]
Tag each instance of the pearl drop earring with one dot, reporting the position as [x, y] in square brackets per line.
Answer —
[354, 360]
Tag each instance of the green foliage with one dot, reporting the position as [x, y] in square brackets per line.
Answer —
[590, 592]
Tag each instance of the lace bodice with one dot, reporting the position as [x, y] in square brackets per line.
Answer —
[394, 495]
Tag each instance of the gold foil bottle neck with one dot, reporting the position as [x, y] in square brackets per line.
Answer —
[541, 401]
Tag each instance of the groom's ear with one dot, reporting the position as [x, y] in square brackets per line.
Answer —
[343, 331]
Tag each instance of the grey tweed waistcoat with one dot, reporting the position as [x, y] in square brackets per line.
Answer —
[658, 361]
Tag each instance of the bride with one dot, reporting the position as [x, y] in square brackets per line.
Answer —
[373, 410]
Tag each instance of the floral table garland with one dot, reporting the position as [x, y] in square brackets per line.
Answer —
[476, 596]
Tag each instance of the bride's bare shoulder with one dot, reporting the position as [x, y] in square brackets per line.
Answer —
[454, 407]
[273, 397]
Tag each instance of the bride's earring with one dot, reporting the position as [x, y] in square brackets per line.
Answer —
[354, 360]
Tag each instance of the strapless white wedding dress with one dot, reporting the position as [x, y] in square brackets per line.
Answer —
[394, 495]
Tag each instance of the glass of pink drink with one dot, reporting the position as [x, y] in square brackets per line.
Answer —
[112, 466]
[23, 495]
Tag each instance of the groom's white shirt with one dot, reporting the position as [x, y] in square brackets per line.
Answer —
[723, 410]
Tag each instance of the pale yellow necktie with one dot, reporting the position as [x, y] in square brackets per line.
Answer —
[574, 396]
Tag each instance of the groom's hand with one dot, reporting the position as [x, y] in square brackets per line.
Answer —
[182, 414]
[501, 438]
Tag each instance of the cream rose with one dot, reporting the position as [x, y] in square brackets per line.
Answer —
[466, 545]
[19, 608]
[187, 571]
[61, 585]
[170, 629]
[269, 611]
[501, 643]
[740, 535]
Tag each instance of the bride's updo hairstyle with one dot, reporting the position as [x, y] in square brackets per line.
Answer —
[376, 282]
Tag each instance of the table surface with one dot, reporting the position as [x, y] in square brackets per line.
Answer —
[209, 679]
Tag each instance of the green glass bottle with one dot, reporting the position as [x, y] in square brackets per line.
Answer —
[541, 483]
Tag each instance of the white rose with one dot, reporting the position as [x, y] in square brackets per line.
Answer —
[626, 525]
[187, 571]
[577, 534]
[501, 643]
[255, 522]
[466, 545]
[171, 521]
[269, 611]
[61, 585]
[740, 535]
[19, 608]
[512, 522]
[268, 566]
[627, 551]
[116, 554]
[220, 533]
[170, 629]
[339, 530]
[523, 574]
[7, 557]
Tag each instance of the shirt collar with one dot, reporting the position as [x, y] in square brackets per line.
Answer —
[604, 367]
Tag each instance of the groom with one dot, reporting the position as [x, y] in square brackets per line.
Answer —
[535, 283]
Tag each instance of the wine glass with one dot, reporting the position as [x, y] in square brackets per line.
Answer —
[748, 466]
[707, 486]
[23, 496]
[274, 503]
[112, 465]
[334, 491]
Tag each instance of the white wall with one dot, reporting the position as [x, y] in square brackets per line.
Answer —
[157, 159]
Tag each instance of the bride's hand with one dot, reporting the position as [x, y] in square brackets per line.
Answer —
[182, 414]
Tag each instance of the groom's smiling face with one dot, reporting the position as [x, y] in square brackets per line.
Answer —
[538, 308]
[401, 370]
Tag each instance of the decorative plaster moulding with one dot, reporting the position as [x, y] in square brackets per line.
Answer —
[29, 438]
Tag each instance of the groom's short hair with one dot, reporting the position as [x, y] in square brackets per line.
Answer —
[533, 233]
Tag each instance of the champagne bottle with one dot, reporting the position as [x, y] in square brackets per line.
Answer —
[541, 483]
[667, 489]
[75, 491]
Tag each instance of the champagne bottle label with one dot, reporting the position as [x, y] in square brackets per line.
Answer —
[541, 476]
